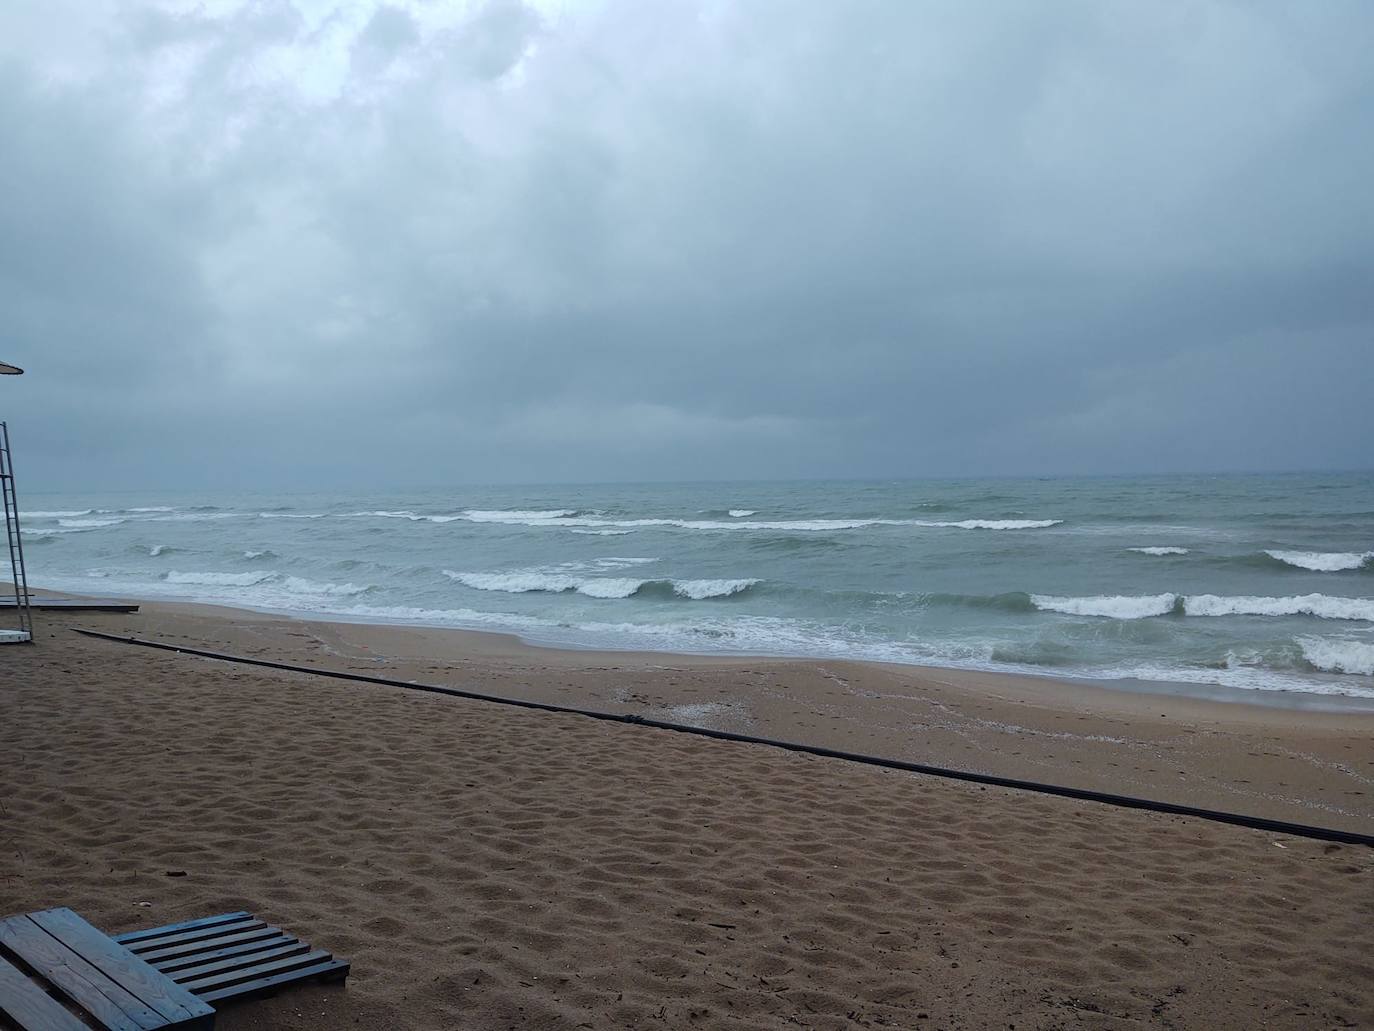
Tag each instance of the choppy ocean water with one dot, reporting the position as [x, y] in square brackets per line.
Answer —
[1262, 583]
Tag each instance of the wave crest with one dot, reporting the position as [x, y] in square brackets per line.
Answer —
[530, 581]
[1118, 606]
[991, 524]
[1322, 606]
[1143, 606]
[1323, 561]
[299, 585]
[1158, 551]
[1336, 655]
[218, 579]
[572, 518]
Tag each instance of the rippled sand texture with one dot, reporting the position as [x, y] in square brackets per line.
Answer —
[488, 867]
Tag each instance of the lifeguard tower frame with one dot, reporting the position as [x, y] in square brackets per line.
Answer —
[22, 632]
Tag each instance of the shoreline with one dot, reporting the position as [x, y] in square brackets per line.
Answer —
[1302, 765]
[1284, 700]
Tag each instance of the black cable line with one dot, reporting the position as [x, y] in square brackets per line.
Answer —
[1299, 830]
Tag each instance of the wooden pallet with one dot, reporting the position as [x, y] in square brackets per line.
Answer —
[231, 956]
[74, 604]
[58, 973]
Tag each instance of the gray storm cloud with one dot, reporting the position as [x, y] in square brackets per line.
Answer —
[265, 243]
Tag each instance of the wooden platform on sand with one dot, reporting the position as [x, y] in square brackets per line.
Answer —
[75, 604]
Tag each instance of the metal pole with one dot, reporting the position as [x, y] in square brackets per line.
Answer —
[13, 536]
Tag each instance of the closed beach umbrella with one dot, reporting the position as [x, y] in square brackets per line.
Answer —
[10, 370]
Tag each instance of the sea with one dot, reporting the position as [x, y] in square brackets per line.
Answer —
[1251, 586]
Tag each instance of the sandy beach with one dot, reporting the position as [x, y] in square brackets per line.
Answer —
[491, 867]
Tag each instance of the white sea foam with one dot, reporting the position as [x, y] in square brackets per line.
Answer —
[88, 524]
[605, 533]
[740, 513]
[55, 515]
[48, 532]
[152, 508]
[1338, 655]
[517, 515]
[1115, 606]
[621, 561]
[1160, 551]
[526, 581]
[1321, 605]
[411, 516]
[699, 590]
[156, 550]
[219, 579]
[569, 518]
[531, 580]
[292, 515]
[1324, 561]
[299, 585]
[255, 554]
[992, 524]
[1144, 606]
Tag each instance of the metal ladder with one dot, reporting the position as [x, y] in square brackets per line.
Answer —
[24, 631]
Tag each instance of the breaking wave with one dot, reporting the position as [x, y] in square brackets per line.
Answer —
[516, 515]
[88, 524]
[55, 515]
[1144, 606]
[219, 579]
[1160, 551]
[1334, 655]
[740, 513]
[408, 515]
[992, 524]
[1320, 605]
[299, 585]
[1324, 561]
[524, 582]
[1115, 606]
[574, 518]
[291, 584]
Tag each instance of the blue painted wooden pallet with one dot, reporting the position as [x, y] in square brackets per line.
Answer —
[231, 956]
[58, 973]
[75, 604]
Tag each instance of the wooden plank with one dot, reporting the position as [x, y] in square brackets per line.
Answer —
[327, 970]
[155, 956]
[155, 989]
[131, 938]
[29, 1007]
[76, 979]
[232, 963]
[74, 604]
[143, 948]
[227, 978]
[169, 966]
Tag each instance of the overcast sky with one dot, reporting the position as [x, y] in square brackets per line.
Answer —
[323, 244]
